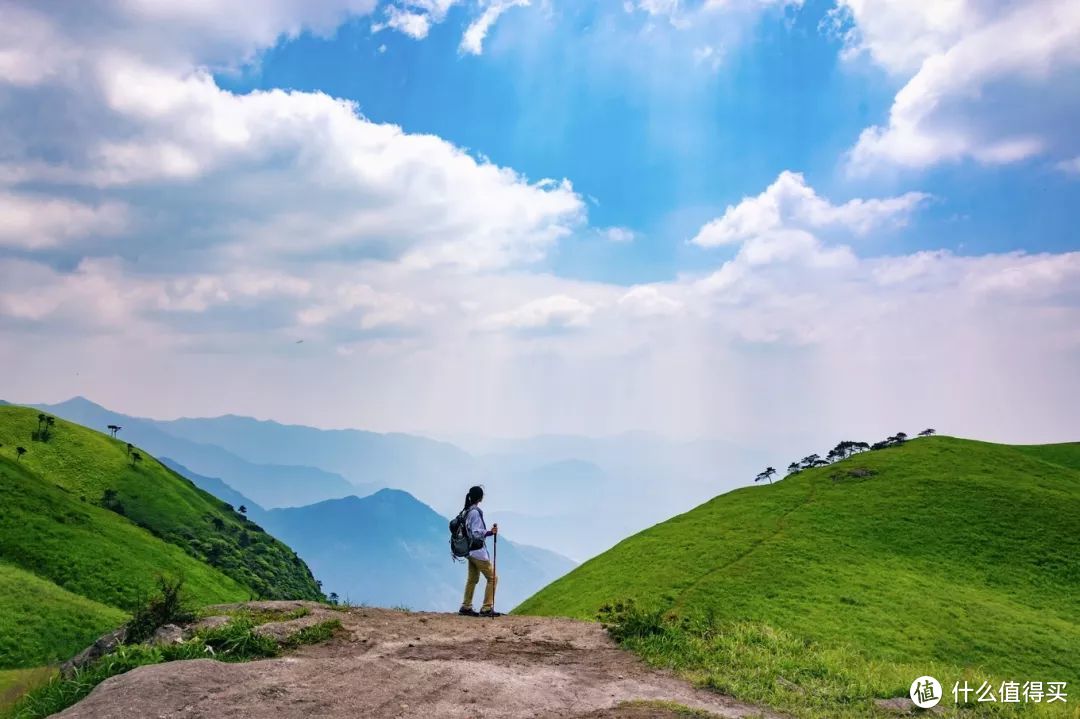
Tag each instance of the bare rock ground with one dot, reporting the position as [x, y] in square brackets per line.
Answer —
[393, 664]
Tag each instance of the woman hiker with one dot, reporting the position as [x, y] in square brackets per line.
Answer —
[479, 561]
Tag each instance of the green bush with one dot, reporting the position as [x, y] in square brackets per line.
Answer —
[169, 606]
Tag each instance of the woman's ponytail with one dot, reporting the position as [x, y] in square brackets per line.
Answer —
[473, 497]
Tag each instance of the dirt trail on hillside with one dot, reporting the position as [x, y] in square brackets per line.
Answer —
[388, 663]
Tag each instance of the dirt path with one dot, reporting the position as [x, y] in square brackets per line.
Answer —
[388, 663]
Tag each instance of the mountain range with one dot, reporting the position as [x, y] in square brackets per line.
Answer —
[574, 495]
[387, 549]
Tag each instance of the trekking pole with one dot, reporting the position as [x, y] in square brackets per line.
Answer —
[495, 570]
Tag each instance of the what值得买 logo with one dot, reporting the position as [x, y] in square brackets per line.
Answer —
[925, 692]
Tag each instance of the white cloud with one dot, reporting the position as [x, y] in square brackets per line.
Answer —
[974, 69]
[618, 234]
[648, 301]
[709, 56]
[339, 182]
[555, 312]
[415, 25]
[1071, 167]
[472, 41]
[790, 203]
[33, 222]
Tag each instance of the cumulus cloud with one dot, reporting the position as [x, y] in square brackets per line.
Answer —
[33, 222]
[973, 70]
[790, 203]
[292, 173]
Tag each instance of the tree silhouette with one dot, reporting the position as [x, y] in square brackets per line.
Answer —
[135, 457]
[242, 509]
[40, 421]
[793, 468]
[927, 432]
[768, 473]
[333, 597]
[810, 460]
[900, 437]
[111, 501]
[114, 428]
[19, 452]
[130, 447]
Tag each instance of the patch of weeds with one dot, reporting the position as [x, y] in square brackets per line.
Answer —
[315, 634]
[402, 608]
[672, 708]
[168, 606]
[234, 642]
[626, 620]
[265, 616]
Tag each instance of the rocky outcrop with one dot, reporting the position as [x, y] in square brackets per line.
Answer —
[387, 664]
[105, 644]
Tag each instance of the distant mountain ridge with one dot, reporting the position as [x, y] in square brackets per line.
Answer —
[575, 495]
[269, 484]
[388, 548]
[391, 549]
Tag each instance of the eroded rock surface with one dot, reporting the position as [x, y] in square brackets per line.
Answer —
[388, 663]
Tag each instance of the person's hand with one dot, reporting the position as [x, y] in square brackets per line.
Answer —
[495, 528]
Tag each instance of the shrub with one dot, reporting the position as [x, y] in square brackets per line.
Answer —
[626, 620]
[169, 606]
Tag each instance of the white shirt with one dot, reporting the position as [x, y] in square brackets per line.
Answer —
[474, 521]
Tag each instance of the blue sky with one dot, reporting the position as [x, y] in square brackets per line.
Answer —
[510, 217]
[663, 156]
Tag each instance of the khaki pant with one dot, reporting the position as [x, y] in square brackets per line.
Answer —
[476, 568]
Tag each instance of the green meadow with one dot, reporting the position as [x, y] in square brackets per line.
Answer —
[841, 584]
[86, 530]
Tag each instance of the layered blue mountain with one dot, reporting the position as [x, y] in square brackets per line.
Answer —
[574, 495]
[271, 485]
[388, 549]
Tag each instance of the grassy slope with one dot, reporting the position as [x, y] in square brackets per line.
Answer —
[41, 623]
[85, 463]
[92, 551]
[958, 552]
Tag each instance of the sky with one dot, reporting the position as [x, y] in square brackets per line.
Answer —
[764, 221]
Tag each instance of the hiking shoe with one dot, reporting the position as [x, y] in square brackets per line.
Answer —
[489, 613]
[466, 612]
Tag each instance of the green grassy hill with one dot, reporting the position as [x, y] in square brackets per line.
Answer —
[40, 622]
[942, 553]
[87, 530]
